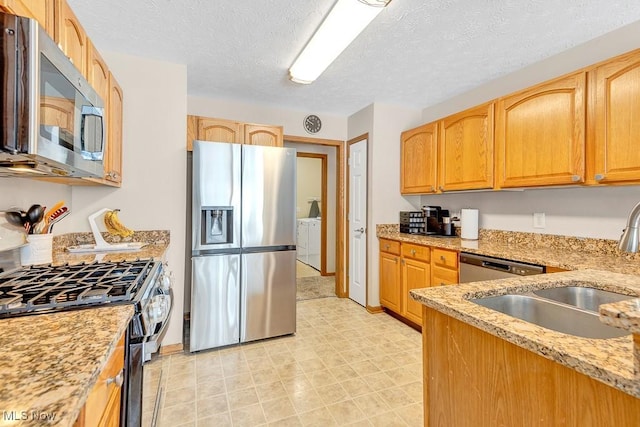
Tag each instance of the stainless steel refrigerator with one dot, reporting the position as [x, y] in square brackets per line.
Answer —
[243, 281]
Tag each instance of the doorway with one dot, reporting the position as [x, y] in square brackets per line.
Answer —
[333, 206]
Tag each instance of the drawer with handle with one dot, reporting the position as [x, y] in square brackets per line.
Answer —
[390, 246]
[445, 258]
[418, 252]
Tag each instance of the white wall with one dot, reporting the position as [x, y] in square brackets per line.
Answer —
[584, 212]
[333, 127]
[308, 185]
[383, 123]
[331, 196]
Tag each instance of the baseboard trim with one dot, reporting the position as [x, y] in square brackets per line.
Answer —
[375, 310]
[166, 350]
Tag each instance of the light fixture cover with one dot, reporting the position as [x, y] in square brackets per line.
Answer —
[345, 21]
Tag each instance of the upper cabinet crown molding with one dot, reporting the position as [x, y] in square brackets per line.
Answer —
[540, 134]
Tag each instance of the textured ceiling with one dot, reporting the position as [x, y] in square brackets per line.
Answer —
[416, 53]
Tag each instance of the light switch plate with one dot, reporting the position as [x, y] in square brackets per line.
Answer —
[538, 220]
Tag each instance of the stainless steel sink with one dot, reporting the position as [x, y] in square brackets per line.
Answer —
[581, 297]
[552, 315]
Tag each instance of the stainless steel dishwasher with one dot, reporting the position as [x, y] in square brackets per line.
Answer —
[475, 268]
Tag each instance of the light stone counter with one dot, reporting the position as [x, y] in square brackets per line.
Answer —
[569, 253]
[610, 361]
[50, 362]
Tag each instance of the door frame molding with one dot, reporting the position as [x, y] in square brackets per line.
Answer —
[323, 208]
[364, 136]
[341, 290]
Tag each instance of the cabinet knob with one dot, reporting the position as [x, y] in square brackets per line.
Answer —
[413, 251]
[599, 177]
[118, 380]
[442, 283]
[441, 188]
[402, 262]
[433, 188]
[576, 178]
[386, 246]
[442, 258]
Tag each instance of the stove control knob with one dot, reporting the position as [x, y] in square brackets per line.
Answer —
[166, 281]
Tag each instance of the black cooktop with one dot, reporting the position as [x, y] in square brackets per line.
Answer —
[36, 288]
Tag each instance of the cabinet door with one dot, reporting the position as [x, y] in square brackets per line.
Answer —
[466, 150]
[418, 158]
[540, 134]
[113, 163]
[71, 36]
[415, 274]
[390, 281]
[98, 73]
[270, 136]
[41, 10]
[217, 130]
[617, 120]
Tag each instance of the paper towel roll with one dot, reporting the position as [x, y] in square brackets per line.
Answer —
[469, 224]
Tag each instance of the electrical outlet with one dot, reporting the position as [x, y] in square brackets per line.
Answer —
[538, 220]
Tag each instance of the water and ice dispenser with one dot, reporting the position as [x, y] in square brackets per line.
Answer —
[217, 225]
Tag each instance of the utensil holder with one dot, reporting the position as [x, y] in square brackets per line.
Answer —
[38, 250]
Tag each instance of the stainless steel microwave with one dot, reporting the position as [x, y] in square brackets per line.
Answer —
[52, 119]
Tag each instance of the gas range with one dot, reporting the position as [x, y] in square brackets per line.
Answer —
[47, 289]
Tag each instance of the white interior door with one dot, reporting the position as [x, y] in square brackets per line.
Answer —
[358, 222]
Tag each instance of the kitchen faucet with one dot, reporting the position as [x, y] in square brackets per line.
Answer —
[630, 239]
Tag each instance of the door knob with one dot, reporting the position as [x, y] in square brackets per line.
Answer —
[361, 229]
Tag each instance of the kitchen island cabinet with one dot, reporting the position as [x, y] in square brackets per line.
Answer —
[52, 362]
[485, 368]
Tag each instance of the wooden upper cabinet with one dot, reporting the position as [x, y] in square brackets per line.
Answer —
[71, 36]
[218, 130]
[41, 10]
[97, 72]
[418, 159]
[540, 134]
[270, 136]
[113, 163]
[616, 113]
[466, 150]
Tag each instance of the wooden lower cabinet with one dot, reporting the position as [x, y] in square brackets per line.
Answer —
[474, 379]
[390, 281]
[102, 407]
[407, 266]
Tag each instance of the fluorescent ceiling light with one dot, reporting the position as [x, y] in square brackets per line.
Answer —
[346, 20]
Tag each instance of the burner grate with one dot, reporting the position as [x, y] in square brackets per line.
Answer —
[52, 287]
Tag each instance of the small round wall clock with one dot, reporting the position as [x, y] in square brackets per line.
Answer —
[312, 123]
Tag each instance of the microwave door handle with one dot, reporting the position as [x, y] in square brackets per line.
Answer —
[96, 152]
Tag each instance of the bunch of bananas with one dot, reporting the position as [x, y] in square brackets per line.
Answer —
[114, 226]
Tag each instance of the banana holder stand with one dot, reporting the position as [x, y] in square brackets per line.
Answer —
[101, 245]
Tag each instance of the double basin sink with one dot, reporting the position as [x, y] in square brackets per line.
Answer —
[571, 309]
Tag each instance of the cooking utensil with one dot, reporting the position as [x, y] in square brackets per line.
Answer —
[34, 215]
[16, 217]
[64, 212]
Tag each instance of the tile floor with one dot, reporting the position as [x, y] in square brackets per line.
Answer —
[344, 366]
[304, 270]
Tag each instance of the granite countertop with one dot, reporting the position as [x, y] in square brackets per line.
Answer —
[568, 253]
[156, 246]
[614, 361]
[50, 362]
